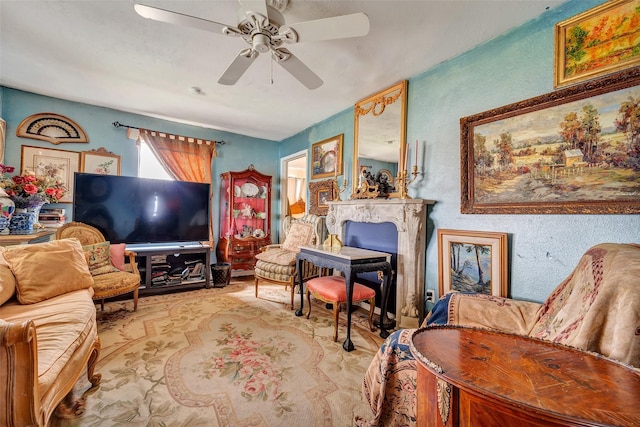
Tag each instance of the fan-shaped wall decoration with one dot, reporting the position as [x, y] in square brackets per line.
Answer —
[51, 127]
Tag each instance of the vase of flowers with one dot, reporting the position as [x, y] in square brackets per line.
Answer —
[29, 193]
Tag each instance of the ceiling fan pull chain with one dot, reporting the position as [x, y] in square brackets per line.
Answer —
[271, 69]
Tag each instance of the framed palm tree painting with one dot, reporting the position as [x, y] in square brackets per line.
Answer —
[472, 261]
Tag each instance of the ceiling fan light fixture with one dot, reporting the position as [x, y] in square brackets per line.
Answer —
[261, 42]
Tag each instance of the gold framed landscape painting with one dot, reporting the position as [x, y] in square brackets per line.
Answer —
[472, 261]
[601, 40]
[572, 151]
[58, 164]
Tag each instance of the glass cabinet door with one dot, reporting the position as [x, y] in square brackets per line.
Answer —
[245, 217]
[250, 208]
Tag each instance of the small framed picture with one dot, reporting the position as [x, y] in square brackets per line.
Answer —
[100, 161]
[58, 164]
[321, 193]
[326, 157]
[472, 261]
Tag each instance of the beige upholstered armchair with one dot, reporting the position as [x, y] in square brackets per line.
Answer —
[108, 281]
[277, 263]
[596, 309]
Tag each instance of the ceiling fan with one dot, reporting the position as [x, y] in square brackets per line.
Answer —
[262, 26]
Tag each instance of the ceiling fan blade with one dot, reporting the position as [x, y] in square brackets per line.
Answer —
[337, 27]
[297, 69]
[237, 68]
[176, 18]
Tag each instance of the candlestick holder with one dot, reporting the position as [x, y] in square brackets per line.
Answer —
[403, 181]
[336, 188]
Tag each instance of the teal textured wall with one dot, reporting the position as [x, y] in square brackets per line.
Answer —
[512, 67]
[97, 123]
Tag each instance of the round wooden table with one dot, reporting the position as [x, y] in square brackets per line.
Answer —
[476, 377]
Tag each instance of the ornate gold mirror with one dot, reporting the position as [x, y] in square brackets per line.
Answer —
[380, 136]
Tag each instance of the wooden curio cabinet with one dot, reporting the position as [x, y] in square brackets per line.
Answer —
[245, 217]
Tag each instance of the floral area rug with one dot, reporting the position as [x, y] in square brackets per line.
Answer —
[222, 357]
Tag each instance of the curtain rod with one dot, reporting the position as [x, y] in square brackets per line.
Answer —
[120, 125]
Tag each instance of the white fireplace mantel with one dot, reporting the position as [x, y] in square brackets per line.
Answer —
[410, 219]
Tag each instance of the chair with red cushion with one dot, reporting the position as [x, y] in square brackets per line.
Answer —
[333, 290]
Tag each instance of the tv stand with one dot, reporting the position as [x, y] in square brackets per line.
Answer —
[173, 267]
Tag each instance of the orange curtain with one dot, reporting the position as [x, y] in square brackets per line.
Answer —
[184, 159]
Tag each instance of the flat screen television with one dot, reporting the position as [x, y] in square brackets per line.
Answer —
[140, 210]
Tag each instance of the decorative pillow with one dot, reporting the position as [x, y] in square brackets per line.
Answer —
[299, 234]
[3, 261]
[99, 258]
[117, 255]
[277, 256]
[7, 284]
[46, 270]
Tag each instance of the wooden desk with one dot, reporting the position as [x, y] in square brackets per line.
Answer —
[23, 239]
[350, 261]
[474, 377]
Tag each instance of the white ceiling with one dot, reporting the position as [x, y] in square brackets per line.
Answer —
[103, 53]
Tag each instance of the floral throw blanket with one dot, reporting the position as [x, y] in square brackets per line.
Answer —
[597, 309]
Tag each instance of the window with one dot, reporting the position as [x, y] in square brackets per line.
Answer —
[148, 164]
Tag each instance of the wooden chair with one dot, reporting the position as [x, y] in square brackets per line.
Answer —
[333, 290]
[109, 284]
[277, 263]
